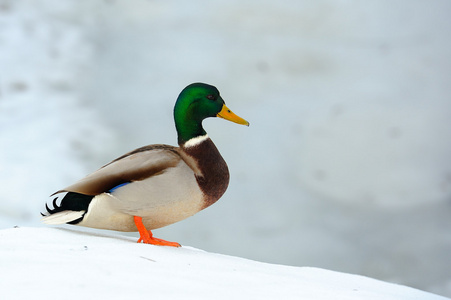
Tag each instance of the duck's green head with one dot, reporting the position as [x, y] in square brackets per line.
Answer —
[195, 103]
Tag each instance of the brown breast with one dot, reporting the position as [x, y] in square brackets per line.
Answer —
[210, 169]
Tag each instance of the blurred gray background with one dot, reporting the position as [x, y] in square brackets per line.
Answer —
[345, 165]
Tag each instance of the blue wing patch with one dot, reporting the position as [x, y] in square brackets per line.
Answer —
[118, 186]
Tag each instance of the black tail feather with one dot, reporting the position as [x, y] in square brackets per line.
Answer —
[71, 201]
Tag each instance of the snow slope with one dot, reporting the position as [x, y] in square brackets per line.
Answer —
[56, 263]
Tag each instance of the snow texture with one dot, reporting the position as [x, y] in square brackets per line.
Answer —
[53, 263]
[345, 165]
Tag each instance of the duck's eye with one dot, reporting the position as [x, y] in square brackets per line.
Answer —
[210, 97]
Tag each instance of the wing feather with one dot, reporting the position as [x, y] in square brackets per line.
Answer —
[136, 165]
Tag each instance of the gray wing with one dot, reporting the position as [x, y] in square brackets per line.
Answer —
[137, 165]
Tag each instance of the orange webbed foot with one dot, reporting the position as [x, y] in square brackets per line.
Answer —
[146, 236]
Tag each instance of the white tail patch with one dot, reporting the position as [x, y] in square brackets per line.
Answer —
[63, 217]
[195, 141]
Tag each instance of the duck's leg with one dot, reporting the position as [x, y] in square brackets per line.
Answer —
[146, 236]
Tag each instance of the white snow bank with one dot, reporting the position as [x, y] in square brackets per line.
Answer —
[56, 263]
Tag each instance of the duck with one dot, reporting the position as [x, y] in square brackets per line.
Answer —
[155, 185]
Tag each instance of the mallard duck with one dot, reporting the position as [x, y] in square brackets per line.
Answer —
[155, 185]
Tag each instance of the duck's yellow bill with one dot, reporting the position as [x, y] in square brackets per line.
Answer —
[227, 114]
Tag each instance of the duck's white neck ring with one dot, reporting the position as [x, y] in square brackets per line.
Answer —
[195, 141]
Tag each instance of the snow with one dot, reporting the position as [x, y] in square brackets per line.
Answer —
[345, 165]
[55, 263]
